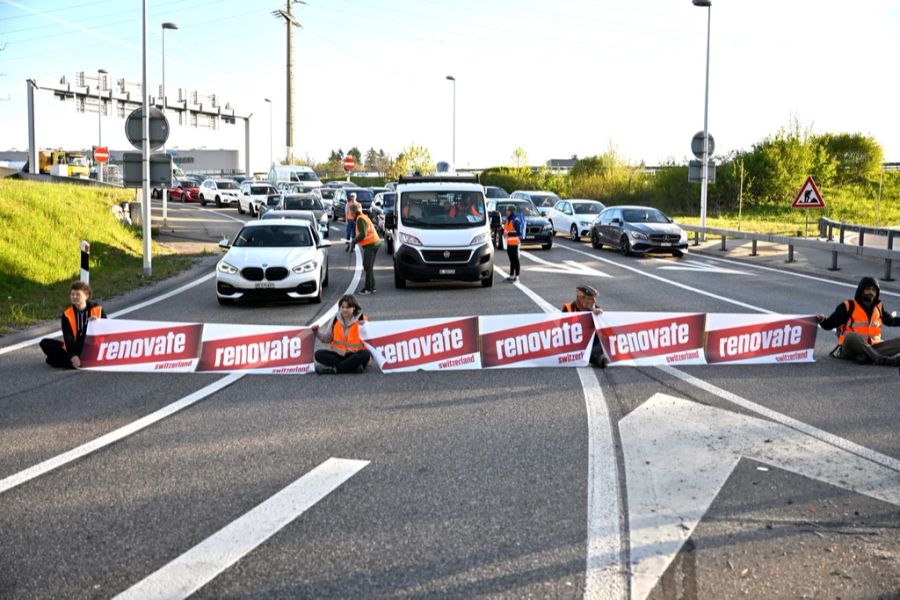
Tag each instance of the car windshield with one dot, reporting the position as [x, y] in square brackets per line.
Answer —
[544, 200]
[587, 208]
[226, 185]
[259, 190]
[440, 209]
[273, 236]
[187, 183]
[525, 208]
[303, 176]
[389, 198]
[327, 193]
[364, 197]
[643, 215]
[495, 192]
[273, 200]
[302, 204]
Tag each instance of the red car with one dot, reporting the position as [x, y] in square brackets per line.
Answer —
[186, 190]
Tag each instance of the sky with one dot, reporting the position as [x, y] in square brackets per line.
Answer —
[560, 78]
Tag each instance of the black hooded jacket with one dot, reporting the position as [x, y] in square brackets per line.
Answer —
[841, 315]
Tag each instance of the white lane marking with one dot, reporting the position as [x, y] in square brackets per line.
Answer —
[670, 282]
[701, 267]
[792, 274]
[118, 313]
[830, 438]
[205, 561]
[115, 435]
[604, 576]
[675, 474]
[168, 410]
[570, 267]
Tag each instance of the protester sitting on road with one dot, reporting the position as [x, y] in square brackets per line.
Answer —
[348, 353]
[586, 301]
[66, 354]
[859, 323]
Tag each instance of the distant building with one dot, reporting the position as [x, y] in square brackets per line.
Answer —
[561, 165]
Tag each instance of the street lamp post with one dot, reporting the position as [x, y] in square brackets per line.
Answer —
[165, 100]
[705, 167]
[453, 79]
[100, 74]
[271, 160]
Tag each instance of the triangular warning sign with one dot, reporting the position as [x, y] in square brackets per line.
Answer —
[808, 196]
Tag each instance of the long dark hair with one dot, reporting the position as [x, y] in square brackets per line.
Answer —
[350, 300]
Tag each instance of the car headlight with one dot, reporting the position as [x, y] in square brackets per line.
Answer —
[684, 236]
[307, 267]
[584, 223]
[323, 218]
[639, 236]
[548, 227]
[224, 267]
[410, 240]
[481, 238]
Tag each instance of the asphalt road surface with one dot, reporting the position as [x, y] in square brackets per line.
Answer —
[758, 481]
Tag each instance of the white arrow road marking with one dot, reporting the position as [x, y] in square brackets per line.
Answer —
[701, 267]
[205, 561]
[676, 471]
[569, 268]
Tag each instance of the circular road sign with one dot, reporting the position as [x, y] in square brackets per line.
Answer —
[159, 128]
[349, 163]
[101, 154]
[697, 145]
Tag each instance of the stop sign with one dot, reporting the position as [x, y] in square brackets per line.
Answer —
[349, 163]
[101, 154]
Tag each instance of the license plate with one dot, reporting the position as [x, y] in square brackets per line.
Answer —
[447, 271]
[665, 243]
[264, 285]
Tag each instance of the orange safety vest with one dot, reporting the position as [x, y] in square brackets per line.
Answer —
[859, 323]
[455, 209]
[69, 313]
[347, 340]
[569, 307]
[371, 234]
[347, 213]
[512, 236]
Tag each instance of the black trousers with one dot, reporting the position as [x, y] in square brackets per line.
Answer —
[512, 251]
[348, 363]
[56, 354]
[369, 253]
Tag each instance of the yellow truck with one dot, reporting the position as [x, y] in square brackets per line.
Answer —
[64, 164]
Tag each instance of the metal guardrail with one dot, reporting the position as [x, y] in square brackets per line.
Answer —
[835, 248]
[827, 227]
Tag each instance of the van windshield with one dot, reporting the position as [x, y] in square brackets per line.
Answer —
[303, 176]
[442, 209]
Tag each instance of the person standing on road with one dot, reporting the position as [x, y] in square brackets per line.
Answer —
[368, 240]
[74, 322]
[513, 232]
[586, 301]
[348, 354]
[351, 220]
[859, 322]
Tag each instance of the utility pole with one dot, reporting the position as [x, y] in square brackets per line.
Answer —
[289, 22]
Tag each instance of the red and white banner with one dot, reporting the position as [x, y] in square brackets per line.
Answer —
[537, 340]
[423, 344]
[756, 339]
[257, 349]
[645, 339]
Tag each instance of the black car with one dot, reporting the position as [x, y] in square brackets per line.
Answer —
[378, 212]
[537, 228]
[638, 230]
[363, 195]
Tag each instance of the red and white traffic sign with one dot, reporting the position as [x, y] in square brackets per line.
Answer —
[808, 196]
[349, 163]
[101, 154]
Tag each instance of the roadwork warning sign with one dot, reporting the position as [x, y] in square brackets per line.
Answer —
[808, 196]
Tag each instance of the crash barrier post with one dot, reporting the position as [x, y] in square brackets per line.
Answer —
[86, 262]
[888, 255]
[834, 264]
[696, 238]
[723, 248]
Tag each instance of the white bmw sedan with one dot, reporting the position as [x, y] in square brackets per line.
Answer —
[273, 260]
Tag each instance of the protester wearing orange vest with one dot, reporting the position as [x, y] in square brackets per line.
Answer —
[513, 231]
[586, 301]
[74, 321]
[859, 323]
[368, 240]
[348, 354]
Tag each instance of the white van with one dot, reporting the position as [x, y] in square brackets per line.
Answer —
[298, 178]
[441, 230]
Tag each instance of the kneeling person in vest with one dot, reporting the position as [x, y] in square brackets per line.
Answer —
[586, 301]
[74, 321]
[859, 323]
[348, 354]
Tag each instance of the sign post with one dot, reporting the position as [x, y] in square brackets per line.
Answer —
[808, 197]
[349, 163]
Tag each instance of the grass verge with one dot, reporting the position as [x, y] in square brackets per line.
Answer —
[41, 228]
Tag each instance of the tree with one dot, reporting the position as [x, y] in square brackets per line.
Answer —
[412, 159]
[371, 160]
[857, 158]
[336, 156]
[356, 154]
[520, 158]
[383, 163]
